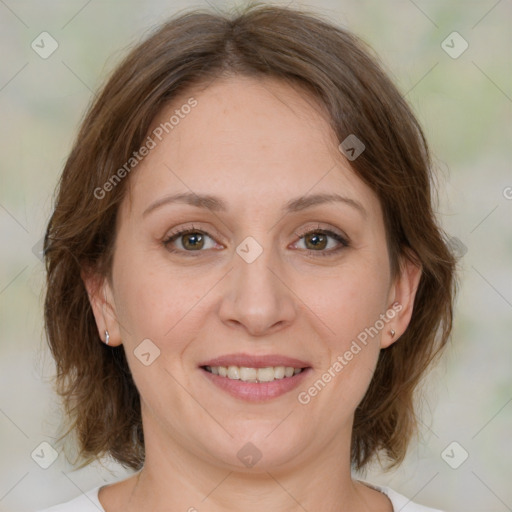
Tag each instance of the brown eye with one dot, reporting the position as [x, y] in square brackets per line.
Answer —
[315, 241]
[193, 241]
[188, 240]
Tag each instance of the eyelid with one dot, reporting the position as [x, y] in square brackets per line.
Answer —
[187, 228]
[318, 227]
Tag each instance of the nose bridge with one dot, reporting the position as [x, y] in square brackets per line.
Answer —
[253, 262]
[257, 298]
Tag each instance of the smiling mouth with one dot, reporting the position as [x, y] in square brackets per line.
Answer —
[254, 375]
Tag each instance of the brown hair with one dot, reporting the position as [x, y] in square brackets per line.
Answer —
[100, 398]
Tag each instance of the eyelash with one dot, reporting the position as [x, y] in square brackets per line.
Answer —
[184, 231]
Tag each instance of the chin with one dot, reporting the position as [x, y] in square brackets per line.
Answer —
[260, 450]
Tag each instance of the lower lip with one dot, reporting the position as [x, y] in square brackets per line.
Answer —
[253, 391]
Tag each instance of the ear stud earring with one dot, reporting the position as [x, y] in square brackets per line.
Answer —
[107, 337]
[392, 333]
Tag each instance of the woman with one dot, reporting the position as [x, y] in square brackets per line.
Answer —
[246, 281]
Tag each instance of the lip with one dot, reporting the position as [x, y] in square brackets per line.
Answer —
[256, 361]
[253, 391]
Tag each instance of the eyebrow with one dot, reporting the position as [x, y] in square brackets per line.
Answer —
[218, 205]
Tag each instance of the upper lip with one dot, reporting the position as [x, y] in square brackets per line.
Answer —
[255, 361]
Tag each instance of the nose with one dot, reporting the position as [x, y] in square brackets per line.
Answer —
[258, 296]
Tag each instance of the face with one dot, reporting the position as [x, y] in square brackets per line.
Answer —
[287, 293]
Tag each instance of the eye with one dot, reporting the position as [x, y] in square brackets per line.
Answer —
[190, 240]
[317, 242]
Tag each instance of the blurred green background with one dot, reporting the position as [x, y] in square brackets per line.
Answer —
[465, 107]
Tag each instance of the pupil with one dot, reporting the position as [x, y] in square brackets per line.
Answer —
[317, 237]
[193, 236]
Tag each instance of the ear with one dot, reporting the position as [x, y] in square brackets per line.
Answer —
[401, 299]
[102, 303]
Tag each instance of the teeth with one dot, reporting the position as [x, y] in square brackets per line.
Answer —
[279, 372]
[234, 372]
[266, 374]
[246, 374]
[288, 371]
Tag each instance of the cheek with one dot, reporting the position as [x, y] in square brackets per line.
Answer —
[155, 300]
[349, 301]
[351, 306]
[157, 304]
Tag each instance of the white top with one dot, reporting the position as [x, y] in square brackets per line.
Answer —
[89, 502]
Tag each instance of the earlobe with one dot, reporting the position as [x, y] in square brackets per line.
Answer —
[402, 295]
[102, 304]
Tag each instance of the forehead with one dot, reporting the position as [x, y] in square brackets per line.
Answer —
[260, 137]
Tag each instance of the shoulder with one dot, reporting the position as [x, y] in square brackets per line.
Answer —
[399, 502]
[86, 502]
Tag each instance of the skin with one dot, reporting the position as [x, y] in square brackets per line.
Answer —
[256, 144]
